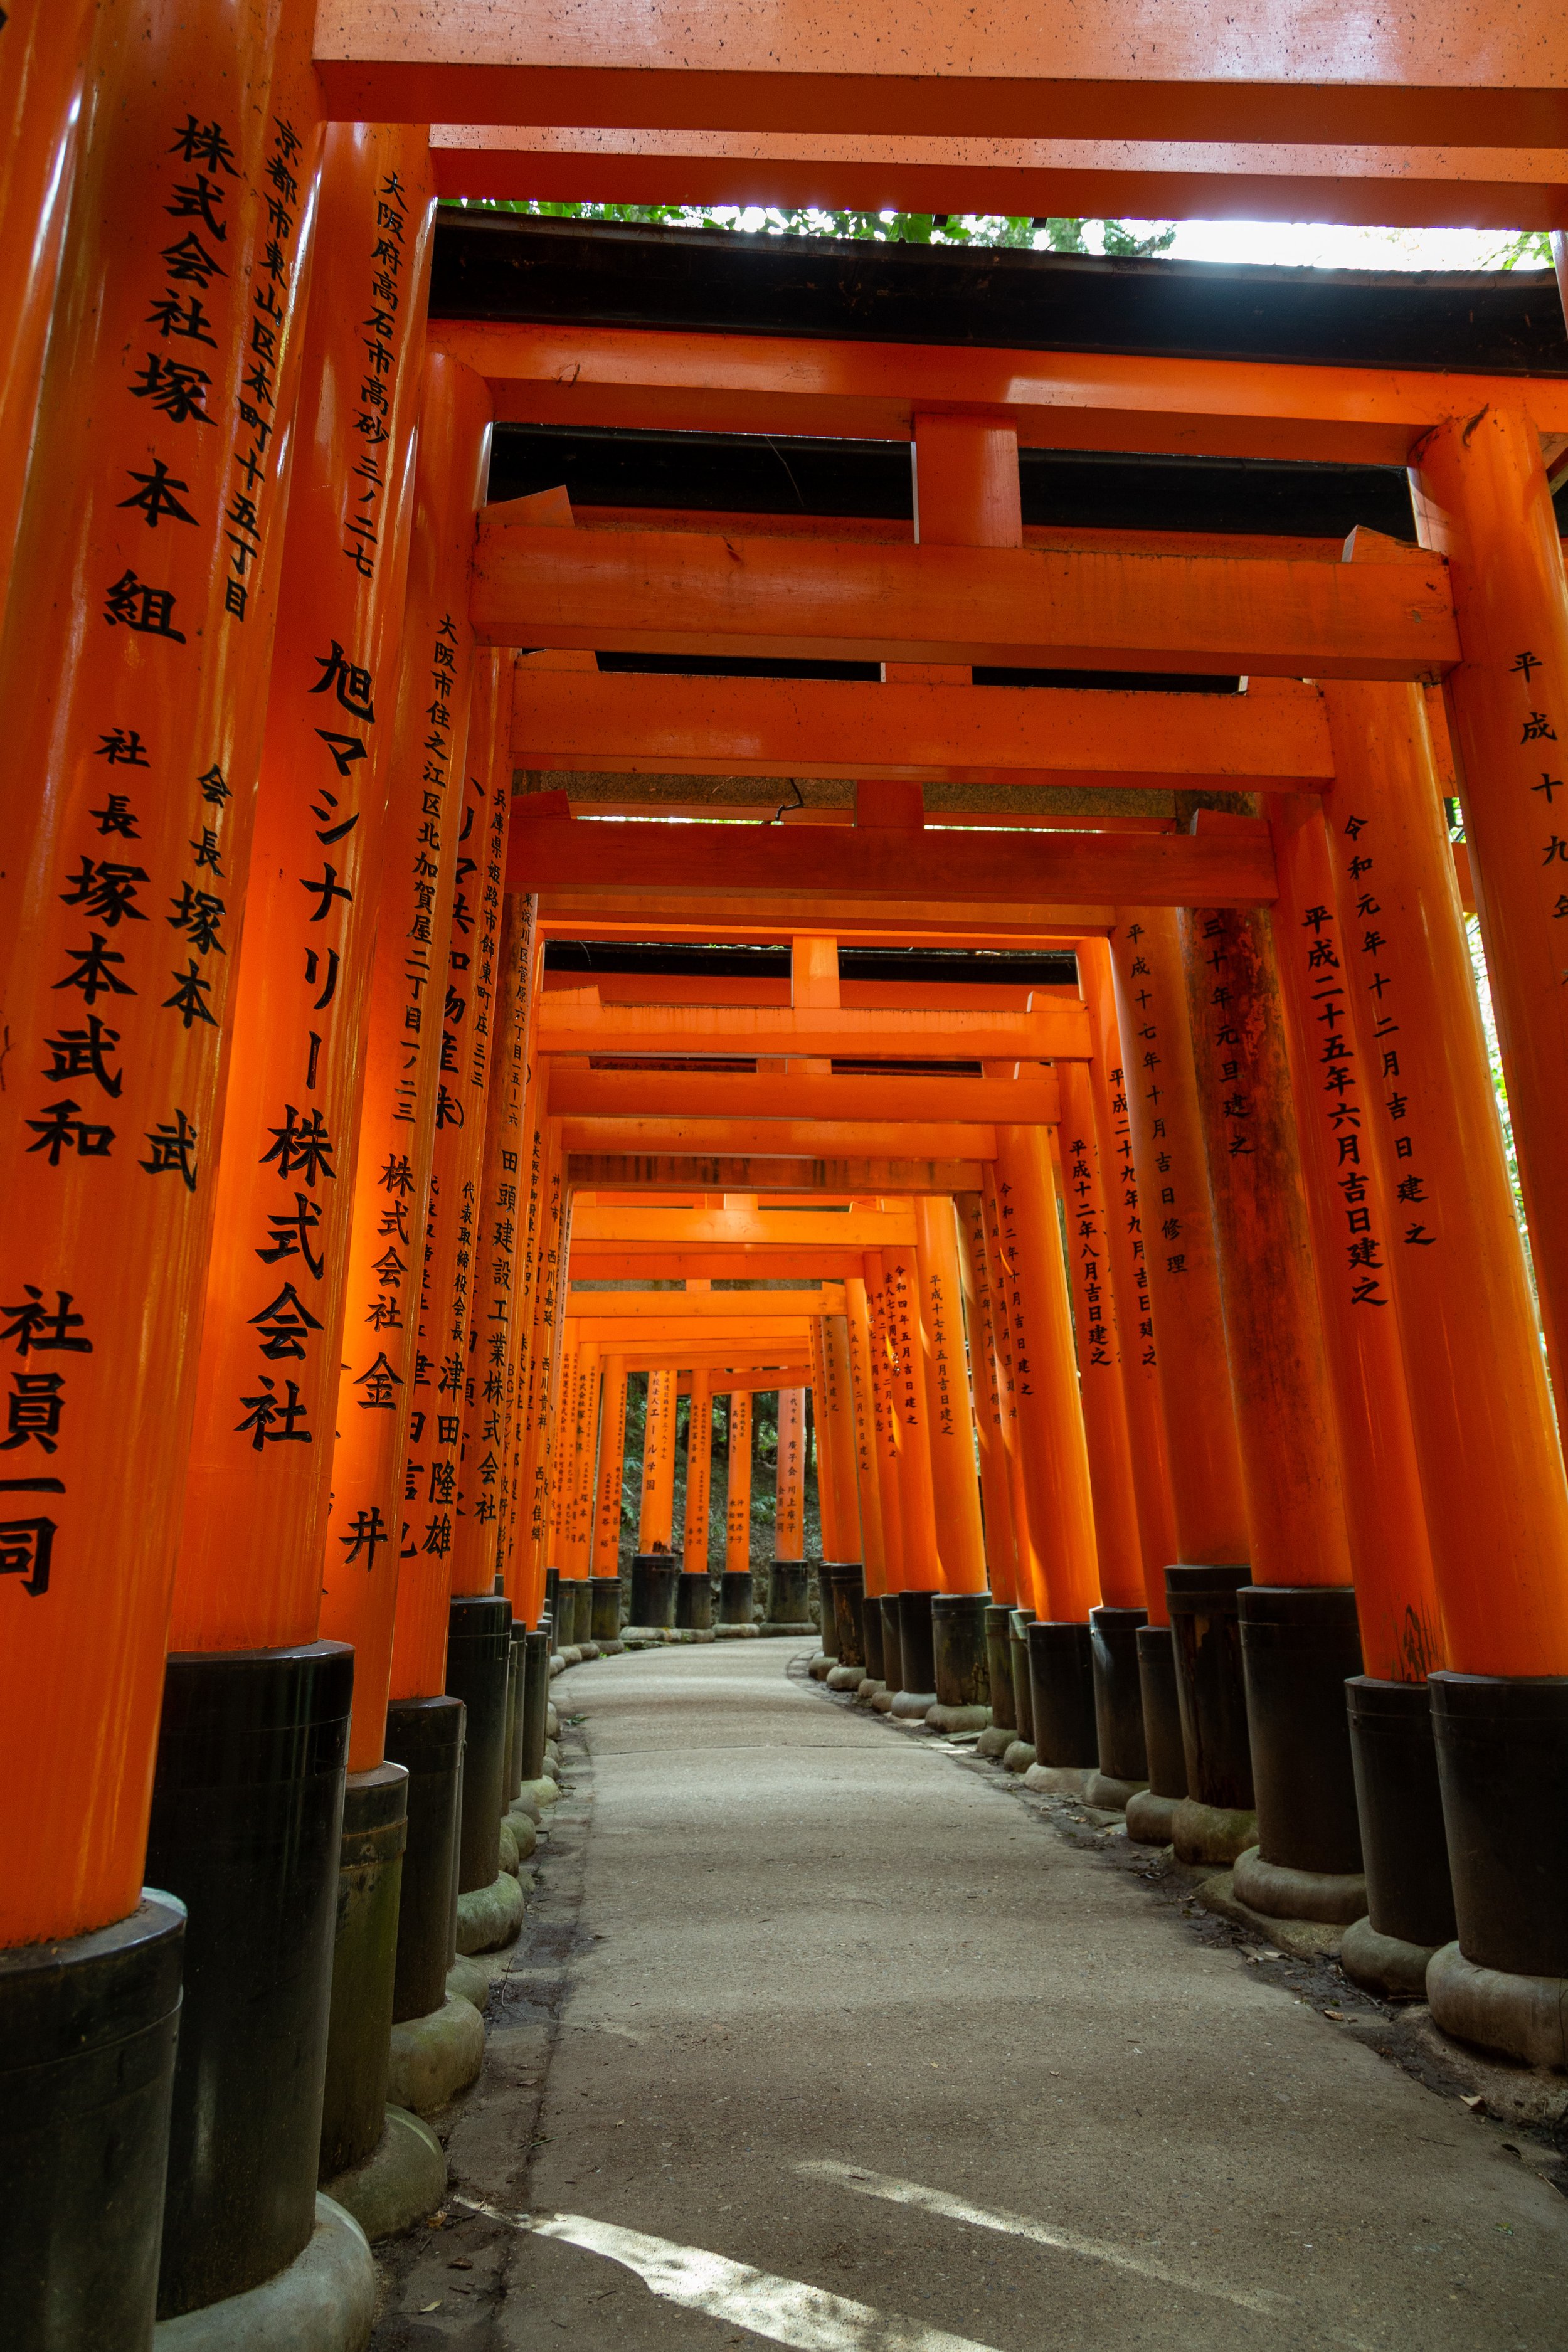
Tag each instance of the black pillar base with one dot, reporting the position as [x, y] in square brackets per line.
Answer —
[574, 1611]
[737, 1600]
[1409, 1893]
[86, 2073]
[872, 1635]
[821, 1607]
[535, 1706]
[999, 1665]
[1118, 1692]
[478, 1649]
[365, 1965]
[425, 1736]
[917, 1658]
[1022, 1688]
[1162, 1712]
[653, 1588]
[789, 1593]
[1061, 1688]
[961, 1672]
[513, 1703]
[511, 1786]
[845, 1584]
[892, 1642]
[552, 1580]
[1299, 1645]
[1205, 1632]
[1502, 1765]
[605, 1623]
[694, 1600]
[248, 1808]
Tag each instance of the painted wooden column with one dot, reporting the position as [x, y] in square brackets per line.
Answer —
[950, 1420]
[789, 1508]
[1129, 1267]
[909, 1412]
[1491, 1467]
[826, 1505]
[991, 1412]
[889, 1486]
[834, 1413]
[371, 1529]
[537, 1388]
[1482, 501]
[1099, 1342]
[612, 1470]
[46, 116]
[698, 1475]
[656, 1510]
[867, 1486]
[1175, 1215]
[738, 1485]
[1028, 1569]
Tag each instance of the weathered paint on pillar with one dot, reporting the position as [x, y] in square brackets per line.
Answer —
[949, 1415]
[584, 1462]
[262, 1452]
[1483, 501]
[900, 1290]
[1386, 1513]
[1497, 1510]
[612, 1470]
[868, 1486]
[490, 1397]
[826, 1503]
[1274, 1339]
[738, 1483]
[367, 1570]
[1029, 1573]
[699, 1473]
[1099, 1342]
[547, 1323]
[134, 670]
[656, 1512]
[1129, 1267]
[789, 1506]
[992, 1414]
[834, 1411]
[1175, 1213]
[42, 132]
[884, 1369]
[1050, 1418]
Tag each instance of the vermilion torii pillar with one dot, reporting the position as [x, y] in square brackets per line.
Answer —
[657, 1501]
[1492, 1466]
[867, 1478]
[993, 1430]
[694, 1599]
[961, 1677]
[135, 658]
[606, 1579]
[736, 1604]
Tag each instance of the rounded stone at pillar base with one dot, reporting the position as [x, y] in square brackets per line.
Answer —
[892, 1642]
[911, 1707]
[999, 1665]
[88, 2029]
[916, 1689]
[996, 1741]
[323, 2301]
[605, 1608]
[543, 1790]
[1299, 1645]
[1020, 1756]
[403, 2178]
[1018, 1627]
[1109, 1794]
[962, 1676]
[1409, 1893]
[736, 1632]
[844, 1678]
[425, 1736]
[653, 1589]
[1119, 1693]
[1215, 1833]
[819, 1668]
[365, 1965]
[1523, 2015]
[508, 1854]
[478, 1652]
[882, 1700]
[789, 1595]
[470, 1980]
[435, 2057]
[737, 1605]
[247, 1819]
[524, 1829]
[1205, 1633]
[845, 1584]
[1059, 1779]
[866, 1694]
[1061, 1694]
[1502, 1765]
[694, 1600]
[1332, 1898]
[1150, 1818]
[1166, 1755]
[1383, 1964]
[552, 1723]
[490, 1916]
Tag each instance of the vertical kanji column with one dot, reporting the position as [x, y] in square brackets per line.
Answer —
[736, 1603]
[145, 566]
[916, 1691]
[842, 1577]
[890, 1446]
[993, 1431]
[1491, 1467]
[654, 1567]
[961, 1673]
[868, 1487]
[788, 1582]
[1028, 1571]
[1191, 1669]
[1300, 1640]
[606, 1581]
[694, 1593]
[579, 1429]
[1052, 1445]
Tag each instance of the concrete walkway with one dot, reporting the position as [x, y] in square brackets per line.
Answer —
[821, 2035]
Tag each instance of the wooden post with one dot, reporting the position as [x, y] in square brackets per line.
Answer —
[738, 1484]
[612, 1469]
[698, 1475]
[883, 1364]
[657, 1504]
[1028, 1569]
[873, 1555]
[789, 1508]
[992, 1413]
[1100, 1353]
[909, 1412]
[834, 1413]
[949, 1419]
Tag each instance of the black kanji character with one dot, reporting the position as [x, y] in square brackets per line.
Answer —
[33, 1412]
[27, 1546]
[346, 749]
[79, 1053]
[206, 852]
[301, 1146]
[176, 389]
[35, 1329]
[1538, 729]
[107, 891]
[378, 1383]
[354, 685]
[189, 999]
[123, 748]
[189, 263]
[366, 1530]
[194, 200]
[146, 612]
[284, 1324]
[187, 319]
[204, 142]
[92, 975]
[291, 1236]
[60, 1130]
[328, 887]
[214, 791]
[173, 1145]
[198, 913]
[156, 496]
[262, 1411]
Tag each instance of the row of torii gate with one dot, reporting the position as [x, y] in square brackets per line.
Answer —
[1191, 1291]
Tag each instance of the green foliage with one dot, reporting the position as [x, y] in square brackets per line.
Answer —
[764, 1475]
[1526, 245]
[1117, 237]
